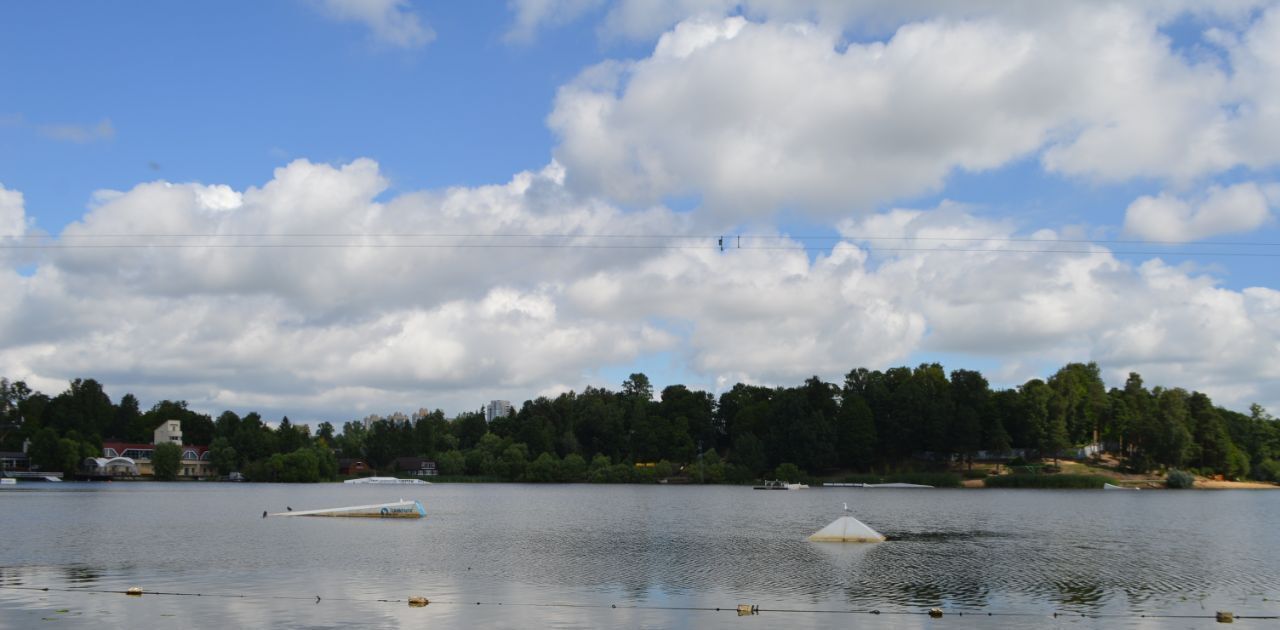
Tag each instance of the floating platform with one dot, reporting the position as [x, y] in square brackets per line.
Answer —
[781, 485]
[388, 481]
[397, 509]
[847, 529]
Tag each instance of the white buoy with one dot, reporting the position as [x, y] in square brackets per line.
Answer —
[847, 529]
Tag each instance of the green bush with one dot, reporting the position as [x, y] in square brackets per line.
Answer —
[1268, 470]
[1179, 479]
[452, 463]
[573, 468]
[615, 473]
[1045, 481]
[789, 472]
[978, 473]
[544, 469]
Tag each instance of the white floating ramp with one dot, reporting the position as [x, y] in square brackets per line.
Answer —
[396, 509]
[847, 529]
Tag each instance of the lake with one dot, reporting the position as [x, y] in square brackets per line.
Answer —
[588, 556]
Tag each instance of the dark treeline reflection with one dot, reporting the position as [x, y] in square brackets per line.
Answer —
[891, 420]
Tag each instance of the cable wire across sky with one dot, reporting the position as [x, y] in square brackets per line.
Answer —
[725, 242]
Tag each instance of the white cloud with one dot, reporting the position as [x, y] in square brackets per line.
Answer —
[642, 20]
[391, 22]
[533, 15]
[754, 115]
[13, 220]
[1166, 217]
[80, 134]
[339, 331]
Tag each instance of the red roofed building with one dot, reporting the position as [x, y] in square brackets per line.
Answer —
[194, 462]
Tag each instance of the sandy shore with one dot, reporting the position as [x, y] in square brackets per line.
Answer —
[1211, 484]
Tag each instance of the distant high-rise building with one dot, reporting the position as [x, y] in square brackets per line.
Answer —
[397, 419]
[497, 409]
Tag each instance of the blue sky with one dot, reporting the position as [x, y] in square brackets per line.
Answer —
[927, 121]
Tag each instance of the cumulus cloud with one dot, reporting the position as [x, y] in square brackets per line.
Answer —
[391, 22]
[753, 115]
[313, 296]
[13, 220]
[642, 20]
[1166, 217]
[990, 297]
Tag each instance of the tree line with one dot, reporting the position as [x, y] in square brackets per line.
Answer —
[893, 420]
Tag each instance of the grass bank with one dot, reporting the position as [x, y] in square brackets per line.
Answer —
[1046, 481]
[935, 479]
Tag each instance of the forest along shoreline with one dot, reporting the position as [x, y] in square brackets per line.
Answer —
[918, 425]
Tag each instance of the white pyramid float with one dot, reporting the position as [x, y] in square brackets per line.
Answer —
[847, 529]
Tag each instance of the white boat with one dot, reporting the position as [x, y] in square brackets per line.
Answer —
[1107, 486]
[396, 509]
[388, 481]
[5, 481]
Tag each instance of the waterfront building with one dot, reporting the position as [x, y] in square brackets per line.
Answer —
[14, 460]
[497, 409]
[416, 466]
[134, 459]
[168, 431]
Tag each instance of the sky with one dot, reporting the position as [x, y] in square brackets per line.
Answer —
[332, 208]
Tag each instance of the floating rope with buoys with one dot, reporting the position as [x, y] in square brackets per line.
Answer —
[739, 609]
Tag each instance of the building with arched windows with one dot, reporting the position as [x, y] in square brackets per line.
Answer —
[118, 456]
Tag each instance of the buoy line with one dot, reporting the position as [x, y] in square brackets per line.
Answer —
[740, 609]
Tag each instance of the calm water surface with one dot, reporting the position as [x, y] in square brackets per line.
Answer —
[565, 555]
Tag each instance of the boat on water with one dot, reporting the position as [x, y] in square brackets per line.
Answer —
[774, 484]
[395, 509]
[5, 481]
[388, 481]
[1107, 486]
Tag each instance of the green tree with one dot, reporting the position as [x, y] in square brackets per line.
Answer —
[451, 463]
[226, 425]
[44, 450]
[223, 456]
[789, 472]
[573, 468]
[469, 428]
[1173, 440]
[300, 466]
[749, 453]
[165, 460]
[83, 407]
[971, 399]
[544, 469]
[325, 432]
[127, 414]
